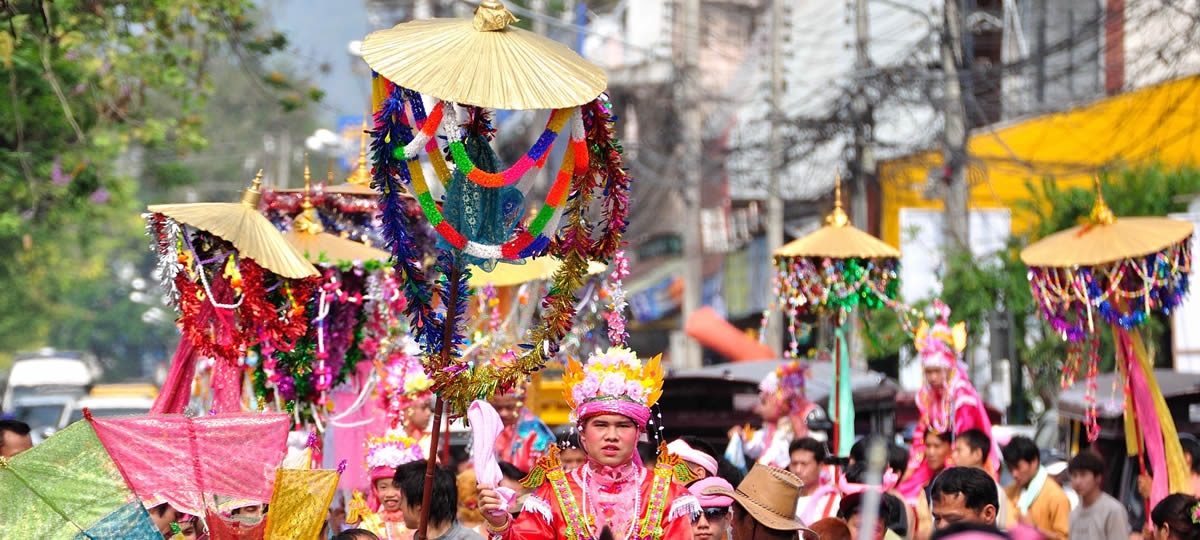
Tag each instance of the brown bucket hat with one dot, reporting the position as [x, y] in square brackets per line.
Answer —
[769, 494]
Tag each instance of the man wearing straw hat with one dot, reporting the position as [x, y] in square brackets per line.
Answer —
[764, 505]
[612, 495]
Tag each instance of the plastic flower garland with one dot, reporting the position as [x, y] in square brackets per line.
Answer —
[594, 162]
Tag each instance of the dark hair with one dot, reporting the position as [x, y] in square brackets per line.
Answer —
[356, 534]
[158, 510]
[897, 518]
[1020, 449]
[569, 440]
[944, 436]
[511, 471]
[1175, 511]
[443, 504]
[852, 503]
[976, 439]
[700, 444]
[976, 486]
[1192, 448]
[897, 458]
[967, 527]
[15, 426]
[809, 444]
[1087, 460]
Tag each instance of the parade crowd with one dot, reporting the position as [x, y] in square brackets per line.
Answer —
[607, 479]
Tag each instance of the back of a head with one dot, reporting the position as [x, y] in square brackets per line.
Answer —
[1175, 513]
[831, 528]
[700, 444]
[356, 534]
[443, 504]
[976, 439]
[976, 487]
[852, 504]
[1020, 448]
[965, 530]
[511, 471]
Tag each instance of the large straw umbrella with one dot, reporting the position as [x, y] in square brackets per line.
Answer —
[828, 273]
[1118, 272]
[483, 62]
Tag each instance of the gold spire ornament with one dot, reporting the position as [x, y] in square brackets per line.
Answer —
[241, 224]
[484, 62]
[838, 239]
[308, 235]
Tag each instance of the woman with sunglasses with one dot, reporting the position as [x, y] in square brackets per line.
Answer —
[712, 522]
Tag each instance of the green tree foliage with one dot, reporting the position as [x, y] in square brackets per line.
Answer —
[977, 287]
[89, 88]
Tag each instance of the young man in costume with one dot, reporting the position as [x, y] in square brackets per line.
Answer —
[525, 438]
[947, 401]
[382, 512]
[784, 410]
[611, 398]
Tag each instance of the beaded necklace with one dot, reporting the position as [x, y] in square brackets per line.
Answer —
[585, 482]
[526, 242]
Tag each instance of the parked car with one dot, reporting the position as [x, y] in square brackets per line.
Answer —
[42, 413]
[49, 372]
[105, 407]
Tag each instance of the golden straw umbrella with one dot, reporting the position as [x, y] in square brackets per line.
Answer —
[1118, 271]
[483, 62]
[241, 224]
[830, 271]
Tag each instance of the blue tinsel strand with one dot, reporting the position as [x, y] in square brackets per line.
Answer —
[447, 260]
[387, 135]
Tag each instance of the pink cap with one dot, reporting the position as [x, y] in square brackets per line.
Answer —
[691, 455]
[708, 501]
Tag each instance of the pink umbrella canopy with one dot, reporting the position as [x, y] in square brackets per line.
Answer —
[179, 459]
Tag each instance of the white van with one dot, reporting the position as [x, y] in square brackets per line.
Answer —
[49, 372]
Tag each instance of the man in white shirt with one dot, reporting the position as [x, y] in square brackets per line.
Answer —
[816, 501]
[971, 449]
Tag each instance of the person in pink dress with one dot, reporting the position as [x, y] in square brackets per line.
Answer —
[947, 401]
[612, 495]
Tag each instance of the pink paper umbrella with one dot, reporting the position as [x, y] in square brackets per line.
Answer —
[180, 459]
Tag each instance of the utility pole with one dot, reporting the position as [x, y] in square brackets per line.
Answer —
[693, 273]
[864, 152]
[539, 24]
[956, 233]
[774, 337]
[285, 161]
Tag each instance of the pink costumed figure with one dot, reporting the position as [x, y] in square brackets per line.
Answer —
[947, 401]
[381, 512]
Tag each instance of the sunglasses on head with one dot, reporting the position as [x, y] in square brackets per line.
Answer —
[713, 513]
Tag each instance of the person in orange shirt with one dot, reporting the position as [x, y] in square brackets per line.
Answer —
[1041, 503]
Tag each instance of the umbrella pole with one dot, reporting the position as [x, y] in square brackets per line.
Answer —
[453, 281]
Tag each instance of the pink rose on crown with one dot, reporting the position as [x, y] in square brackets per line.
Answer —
[635, 391]
[586, 388]
[613, 385]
